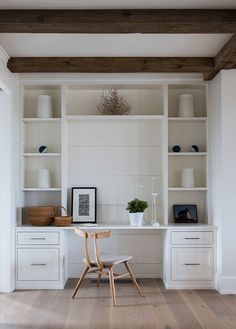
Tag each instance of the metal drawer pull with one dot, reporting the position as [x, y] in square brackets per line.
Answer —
[37, 238]
[192, 238]
[190, 264]
[38, 264]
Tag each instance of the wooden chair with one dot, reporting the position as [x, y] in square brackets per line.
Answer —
[103, 262]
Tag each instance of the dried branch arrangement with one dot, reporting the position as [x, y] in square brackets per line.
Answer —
[113, 104]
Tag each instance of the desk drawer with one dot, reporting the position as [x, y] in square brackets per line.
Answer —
[37, 238]
[192, 237]
[37, 264]
[192, 264]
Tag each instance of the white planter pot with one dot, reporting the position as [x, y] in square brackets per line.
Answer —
[44, 109]
[44, 180]
[187, 177]
[186, 105]
[136, 218]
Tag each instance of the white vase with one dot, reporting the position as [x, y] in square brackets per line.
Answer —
[187, 177]
[136, 218]
[44, 180]
[186, 105]
[44, 109]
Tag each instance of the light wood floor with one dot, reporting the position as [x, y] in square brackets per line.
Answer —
[160, 308]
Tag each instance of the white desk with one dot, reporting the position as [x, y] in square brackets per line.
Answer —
[182, 255]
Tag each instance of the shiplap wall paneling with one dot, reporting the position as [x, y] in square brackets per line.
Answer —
[143, 100]
[146, 262]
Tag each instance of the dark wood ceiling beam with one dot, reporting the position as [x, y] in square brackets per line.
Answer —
[224, 60]
[118, 21]
[109, 64]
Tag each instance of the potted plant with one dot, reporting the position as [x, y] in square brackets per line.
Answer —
[136, 208]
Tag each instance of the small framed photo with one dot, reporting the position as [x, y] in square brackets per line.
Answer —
[185, 213]
[84, 202]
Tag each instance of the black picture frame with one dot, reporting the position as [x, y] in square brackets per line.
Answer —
[84, 205]
[185, 213]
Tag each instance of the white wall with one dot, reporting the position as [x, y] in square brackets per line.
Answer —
[223, 174]
[8, 175]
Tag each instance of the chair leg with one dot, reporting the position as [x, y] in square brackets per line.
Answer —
[112, 286]
[135, 283]
[80, 281]
[98, 279]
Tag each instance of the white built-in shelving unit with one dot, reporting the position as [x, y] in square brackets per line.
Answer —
[186, 132]
[115, 153]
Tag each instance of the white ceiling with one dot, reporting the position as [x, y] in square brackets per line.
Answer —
[116, 4]
[196, 45]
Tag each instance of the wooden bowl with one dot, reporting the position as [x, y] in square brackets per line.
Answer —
[41, 216]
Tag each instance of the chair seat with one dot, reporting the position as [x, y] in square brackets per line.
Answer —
[109, 260]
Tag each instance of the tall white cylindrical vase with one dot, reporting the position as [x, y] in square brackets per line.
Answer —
[186, 105]
[44, 108]
[44, 180]
[187, 177]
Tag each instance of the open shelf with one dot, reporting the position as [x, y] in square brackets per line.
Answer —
[187, 188]
[35, 189]
[41, 120]
[42, 154]
[187, 153]
[113, 117]
[143, 99]
[186, 119]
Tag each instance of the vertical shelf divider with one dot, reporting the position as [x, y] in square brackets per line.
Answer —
[63, 147]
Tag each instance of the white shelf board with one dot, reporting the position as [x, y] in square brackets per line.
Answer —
[41, 154]
[118, 226]
[41, 120]
[187, 153]
[187, 188]
[196, 119]
[113, 117]
[36, 189]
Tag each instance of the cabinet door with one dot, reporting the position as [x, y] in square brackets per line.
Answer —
[192, 264]
[38, 238]
[37, 264]
[192, 237]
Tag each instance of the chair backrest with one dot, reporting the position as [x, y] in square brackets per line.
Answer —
[92, 236]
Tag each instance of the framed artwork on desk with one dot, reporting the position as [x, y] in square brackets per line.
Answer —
[185, 213]
[84, 204]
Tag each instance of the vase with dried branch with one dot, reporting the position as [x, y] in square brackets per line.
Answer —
[113, 104]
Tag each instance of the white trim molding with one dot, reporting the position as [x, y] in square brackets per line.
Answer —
[4, 57]
[227, 285]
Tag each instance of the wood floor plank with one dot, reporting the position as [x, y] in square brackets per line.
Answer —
[14, 308]
[202, 312]
[181, 311]
[161, 312]
[92, 308]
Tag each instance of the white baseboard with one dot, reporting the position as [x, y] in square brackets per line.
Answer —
[227, 285]
[74, 270]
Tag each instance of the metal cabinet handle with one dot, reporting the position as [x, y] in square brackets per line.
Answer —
[37, 238]
[192, 238]
[192, 264]
[34, 264]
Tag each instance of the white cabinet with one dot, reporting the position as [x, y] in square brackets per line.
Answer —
[191, 237]
[40, 259]
[38, 238]
[117, 154]
[37, 264]
[190, 258]
[191, 263]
